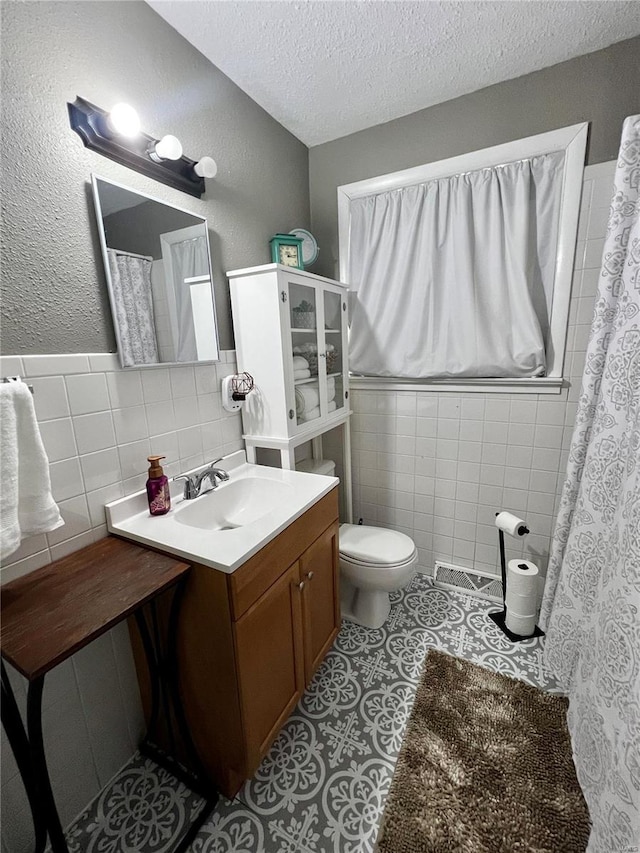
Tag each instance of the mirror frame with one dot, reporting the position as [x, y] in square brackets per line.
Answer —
[105, 262]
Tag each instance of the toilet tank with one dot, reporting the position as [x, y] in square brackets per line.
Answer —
[317, 466]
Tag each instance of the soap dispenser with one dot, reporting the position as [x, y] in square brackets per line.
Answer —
[158, 487]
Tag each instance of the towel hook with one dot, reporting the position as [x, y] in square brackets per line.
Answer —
[16, 379]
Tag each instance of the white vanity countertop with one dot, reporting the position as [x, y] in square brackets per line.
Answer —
[283, 496]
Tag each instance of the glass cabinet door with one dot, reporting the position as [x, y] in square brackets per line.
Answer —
[317, 320]
[307, 365]
[334, 319]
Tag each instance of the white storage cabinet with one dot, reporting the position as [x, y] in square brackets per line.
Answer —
[280, 313]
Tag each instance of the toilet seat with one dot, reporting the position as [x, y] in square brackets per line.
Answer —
[377, 567]
[374, 547]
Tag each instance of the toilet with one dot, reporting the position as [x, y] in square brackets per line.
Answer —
[374, 561]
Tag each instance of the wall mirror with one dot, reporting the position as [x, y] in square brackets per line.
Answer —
[158, 267]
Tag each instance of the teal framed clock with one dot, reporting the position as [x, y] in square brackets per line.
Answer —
[286, 249]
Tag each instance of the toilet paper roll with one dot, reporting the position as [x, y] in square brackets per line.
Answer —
[511, 524]
[522, 625]
[522, 576]
[522, 603]
[521, 596]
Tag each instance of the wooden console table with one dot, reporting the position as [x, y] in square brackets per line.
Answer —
[53, 612]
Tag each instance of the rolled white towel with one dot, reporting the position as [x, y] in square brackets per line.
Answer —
[310, 414]
[332, 406]
[300, 363]
[302, 374]
[305, 349]
[331, 388]
[307, 398]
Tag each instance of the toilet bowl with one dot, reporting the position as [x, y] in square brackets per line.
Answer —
[374, 561]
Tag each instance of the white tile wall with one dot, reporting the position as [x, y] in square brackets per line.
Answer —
[439, 465]
[99, 423]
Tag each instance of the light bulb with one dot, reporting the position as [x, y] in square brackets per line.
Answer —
[168, 148]
[206, 168]
[124, 120]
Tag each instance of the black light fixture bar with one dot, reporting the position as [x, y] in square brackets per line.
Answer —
[91, 125]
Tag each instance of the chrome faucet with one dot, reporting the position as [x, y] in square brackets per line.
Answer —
[194, 482]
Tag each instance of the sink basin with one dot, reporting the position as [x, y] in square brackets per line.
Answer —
[225, 526]
[233, 504]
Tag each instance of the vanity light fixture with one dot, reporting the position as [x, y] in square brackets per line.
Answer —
[168, 148]
[206, 167]
[117, 135]
[124, 120]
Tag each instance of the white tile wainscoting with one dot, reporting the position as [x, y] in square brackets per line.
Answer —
[438, 465]
[99, 423]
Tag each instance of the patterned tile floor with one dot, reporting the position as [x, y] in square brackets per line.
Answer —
[323, 785]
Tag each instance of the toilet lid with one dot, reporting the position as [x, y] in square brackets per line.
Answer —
[375, 545]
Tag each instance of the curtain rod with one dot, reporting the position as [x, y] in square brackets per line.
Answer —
[132, 254]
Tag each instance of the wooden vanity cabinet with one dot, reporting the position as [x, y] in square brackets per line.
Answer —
[269, 646]
[320, 599]
[249, 642]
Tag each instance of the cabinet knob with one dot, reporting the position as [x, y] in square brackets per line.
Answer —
[309, 575]
[301, 585]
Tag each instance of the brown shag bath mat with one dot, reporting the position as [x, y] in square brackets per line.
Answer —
[485, 767]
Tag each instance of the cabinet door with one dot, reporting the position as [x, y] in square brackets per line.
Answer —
[268, 642]
[320, 598]
[306, 346]
[334, 354]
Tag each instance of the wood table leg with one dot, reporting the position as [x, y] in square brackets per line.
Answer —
[28, 750]
[19, 743]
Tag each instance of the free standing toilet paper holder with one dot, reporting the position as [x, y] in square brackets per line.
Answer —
[500, 616]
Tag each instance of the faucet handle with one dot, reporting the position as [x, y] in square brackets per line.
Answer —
[190, 488]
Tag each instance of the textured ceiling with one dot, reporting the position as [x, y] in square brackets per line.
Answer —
[327, 68]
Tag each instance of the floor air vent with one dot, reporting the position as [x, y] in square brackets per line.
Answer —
[459, 579]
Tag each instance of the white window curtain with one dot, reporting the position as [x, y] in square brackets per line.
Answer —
[454, 277]
[189, 259]
[133, 304]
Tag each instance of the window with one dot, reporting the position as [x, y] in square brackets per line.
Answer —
[475, 296]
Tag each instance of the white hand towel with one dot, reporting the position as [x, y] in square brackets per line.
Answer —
[332, 406]
[300, 363]
[331, 388]
[307, 398]
[302, 374]
[26, 504]
[310, 414]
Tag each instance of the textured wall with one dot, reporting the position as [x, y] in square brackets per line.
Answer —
[602, 88]
[138, 229]
[54, 295]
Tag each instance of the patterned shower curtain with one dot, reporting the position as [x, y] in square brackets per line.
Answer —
[133, 306]
[591, 606]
